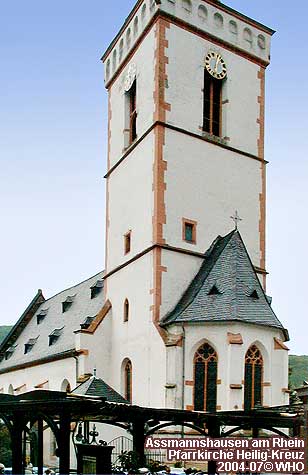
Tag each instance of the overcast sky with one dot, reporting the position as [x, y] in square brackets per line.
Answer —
[53, 149]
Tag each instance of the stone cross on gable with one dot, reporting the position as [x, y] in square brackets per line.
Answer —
[236, 218]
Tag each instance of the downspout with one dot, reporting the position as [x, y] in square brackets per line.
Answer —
[77, 368]
[183, 376]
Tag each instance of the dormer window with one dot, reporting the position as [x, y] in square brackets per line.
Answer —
[254, 295]
[214, 291]
[97, 288]
[68, 302]
[55, 335]
[41, 315]
[86, 323]
[30, 344]
[9, 352]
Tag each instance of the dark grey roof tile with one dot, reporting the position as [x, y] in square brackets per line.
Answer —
[228, 267]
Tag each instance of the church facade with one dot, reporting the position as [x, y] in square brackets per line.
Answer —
[180, 317]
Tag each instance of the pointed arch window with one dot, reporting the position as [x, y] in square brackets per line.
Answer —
[212, 104]
[126, 311]
[253, 378]
[128, 381]
[205, 379]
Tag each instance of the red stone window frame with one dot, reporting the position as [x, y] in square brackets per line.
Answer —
[193, 226]
[205, 379]
[127, 242]
[254, 374]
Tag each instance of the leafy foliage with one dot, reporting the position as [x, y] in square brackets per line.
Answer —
[129, 461]
[4, 330]
[5, 446]
[298, 370]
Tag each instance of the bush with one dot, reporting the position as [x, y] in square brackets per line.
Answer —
[5, 446]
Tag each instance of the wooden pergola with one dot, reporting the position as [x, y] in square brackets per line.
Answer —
[59, 410]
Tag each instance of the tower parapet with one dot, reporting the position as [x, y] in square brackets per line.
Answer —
[207, 17]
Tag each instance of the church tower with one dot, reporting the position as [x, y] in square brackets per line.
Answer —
[186, 82]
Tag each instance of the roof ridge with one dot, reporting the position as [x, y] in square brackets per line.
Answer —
[74, 286]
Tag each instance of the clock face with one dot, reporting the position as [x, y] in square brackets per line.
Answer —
[215, 65]
[130, 77]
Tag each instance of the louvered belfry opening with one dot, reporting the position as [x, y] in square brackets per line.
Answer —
[212, 104]
[205, 379]
[253, 378]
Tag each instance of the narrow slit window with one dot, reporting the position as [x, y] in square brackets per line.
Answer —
[133, 113]
[128, 381]
[127, 242]
[126, 311]
[212, 104]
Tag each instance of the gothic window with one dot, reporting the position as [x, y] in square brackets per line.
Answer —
[128, 381]
[126, 311]
[205, 379]
[212, 104]
[253, 378]
[132, 112]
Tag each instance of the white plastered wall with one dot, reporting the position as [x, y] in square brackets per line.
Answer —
[143, 59]
[131, 203]
[185, 86]
[231, 360]
[137, 339]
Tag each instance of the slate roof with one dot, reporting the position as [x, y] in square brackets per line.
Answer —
[240, 296]
[81, 308]
[97, 387]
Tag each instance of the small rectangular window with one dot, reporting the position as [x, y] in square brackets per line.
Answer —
[127, 242]
[189, 231]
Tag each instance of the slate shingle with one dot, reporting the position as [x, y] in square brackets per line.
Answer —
[228, 267]
[97, 387]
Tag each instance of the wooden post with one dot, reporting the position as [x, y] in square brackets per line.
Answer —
[138, 439]
[214, 432]
[17, 456]
[306, 433]
[40, 446]
[64, 444]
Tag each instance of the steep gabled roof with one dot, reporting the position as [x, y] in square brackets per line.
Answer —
[23, 321]
[97, 387]
[240, 296]
[29, 327]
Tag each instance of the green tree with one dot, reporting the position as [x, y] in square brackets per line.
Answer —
[5, 446]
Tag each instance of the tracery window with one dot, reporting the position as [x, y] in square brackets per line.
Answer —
[253, 378]
[205, 378]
